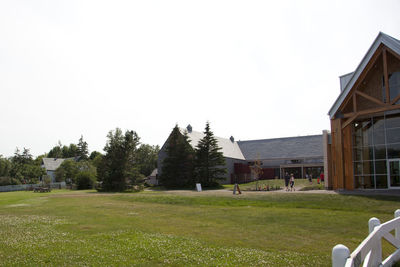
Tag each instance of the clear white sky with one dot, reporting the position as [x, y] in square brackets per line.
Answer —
[254, 69]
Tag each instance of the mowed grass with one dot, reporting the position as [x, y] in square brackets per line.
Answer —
[85, 228]
[273, 183]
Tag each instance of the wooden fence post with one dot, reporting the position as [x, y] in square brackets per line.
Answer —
[397, 230]
[376, 251]
[340, 254]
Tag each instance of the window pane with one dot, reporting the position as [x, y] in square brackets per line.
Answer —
[367, 153]
[380, 167]
[368, 167]
[357, 152]
[394, 84]
[364, 182]
[393, 135]
[367, 133]
[381, 181]
[380, 152]
[379, 123]
[379, 137]
[358, 140]
[393, 151]
[358, 168]
[393, 121]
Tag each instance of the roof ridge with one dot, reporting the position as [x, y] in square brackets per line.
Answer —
[280, 138]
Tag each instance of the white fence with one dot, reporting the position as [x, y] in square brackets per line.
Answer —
[369, 252]
[23, 187]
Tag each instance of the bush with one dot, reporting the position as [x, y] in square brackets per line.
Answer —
[85, 180]
[9, 181]
[46, 179]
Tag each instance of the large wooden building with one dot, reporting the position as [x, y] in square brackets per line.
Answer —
[365, 122]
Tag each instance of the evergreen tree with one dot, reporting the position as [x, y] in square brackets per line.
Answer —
[209, 161]
[117, 166]
[82, 151]
[177, 168]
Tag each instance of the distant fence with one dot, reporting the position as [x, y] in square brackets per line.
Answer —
[369, 252]
[23, 187]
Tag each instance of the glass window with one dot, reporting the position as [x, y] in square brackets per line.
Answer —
[379, 137]
[358, 140]
[380, 167]
[379, 123]
[393, 121]
[357, 153]
[364, 182]
[393, 151]
[358, 166]
[393, 135]
[381, 181]
[367, 153]
[368, 167]
[394, 85]
[380, 152]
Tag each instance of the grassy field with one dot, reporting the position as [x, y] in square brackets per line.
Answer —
[85, 228]
[299, 183]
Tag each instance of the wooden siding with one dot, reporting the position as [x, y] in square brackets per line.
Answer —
[348, 158]
[337, 154]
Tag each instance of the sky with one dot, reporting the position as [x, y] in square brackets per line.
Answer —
[253, 69]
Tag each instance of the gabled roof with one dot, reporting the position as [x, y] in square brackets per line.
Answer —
[229, 149]
[51, 164]
[382, 38]
[283, 148]
[154, 172]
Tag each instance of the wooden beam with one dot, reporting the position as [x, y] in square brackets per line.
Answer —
[395, 100]
[393, 53]
[354, 102]
[346, 123]
[364, 73]
[348, 115]
[371, 111]
[385, 76]
[373, 99]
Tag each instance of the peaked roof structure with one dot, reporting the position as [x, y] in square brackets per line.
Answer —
[351, 78]
[283, 148]
[230, 149]
[51, 164]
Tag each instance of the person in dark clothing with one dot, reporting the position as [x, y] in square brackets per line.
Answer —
[287, 179]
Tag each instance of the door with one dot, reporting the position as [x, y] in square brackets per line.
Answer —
[394, 173]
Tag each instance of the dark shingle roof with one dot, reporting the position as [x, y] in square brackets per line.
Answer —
[283, 148]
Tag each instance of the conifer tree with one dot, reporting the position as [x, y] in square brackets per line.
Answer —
[83, 151]
[177, 168]
[209, 162]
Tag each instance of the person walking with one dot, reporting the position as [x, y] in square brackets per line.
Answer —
[287, 178]
[292, 182]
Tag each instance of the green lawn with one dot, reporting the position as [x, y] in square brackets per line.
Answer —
[85, 228]
[273, 183]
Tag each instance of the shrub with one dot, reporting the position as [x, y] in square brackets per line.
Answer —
[85, 180]
[46, 180]
[9, 181]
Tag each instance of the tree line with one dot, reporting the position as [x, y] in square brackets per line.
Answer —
[125, 162]
[184, 166]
